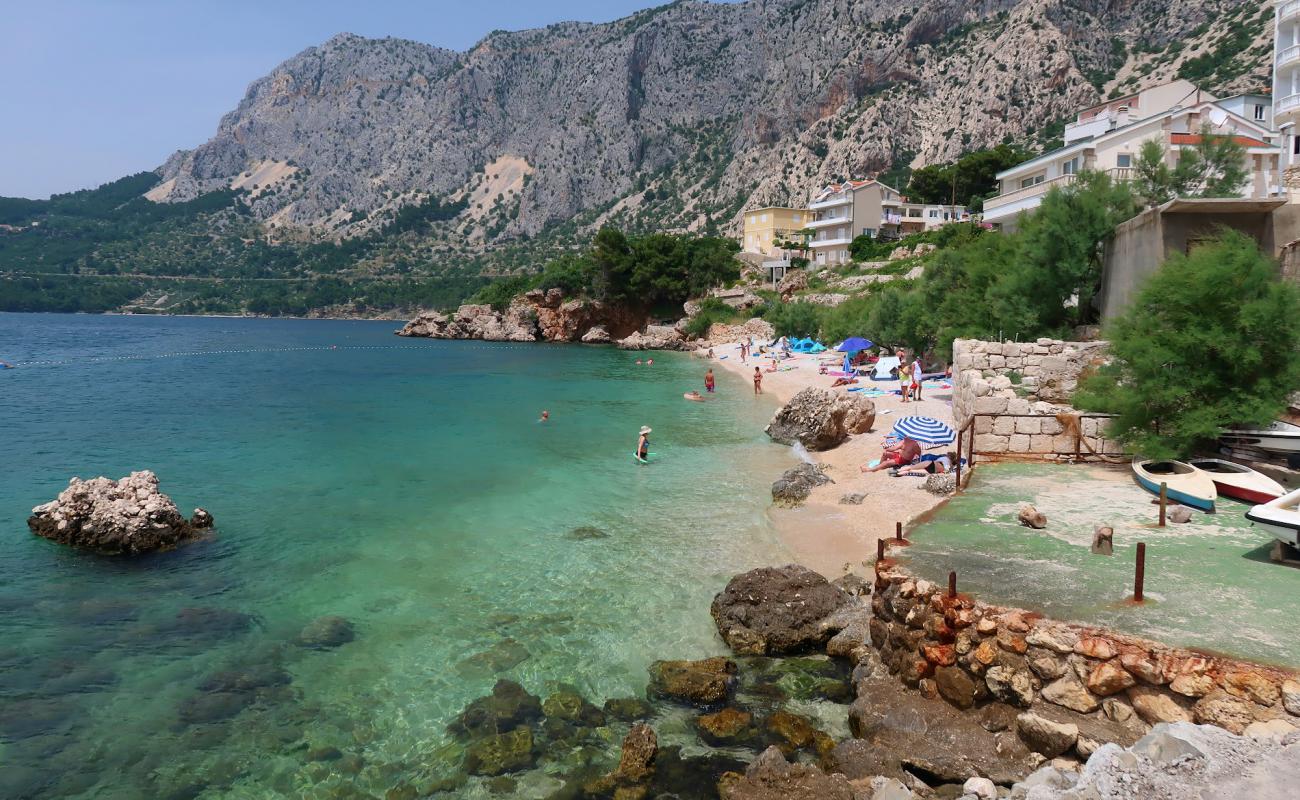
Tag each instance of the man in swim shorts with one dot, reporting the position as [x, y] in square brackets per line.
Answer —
[708, 381]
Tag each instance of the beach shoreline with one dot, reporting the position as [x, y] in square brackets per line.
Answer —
[823, 534]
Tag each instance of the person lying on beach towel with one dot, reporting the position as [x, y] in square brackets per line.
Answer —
[896, 455]
[928, 465]
[843, 382]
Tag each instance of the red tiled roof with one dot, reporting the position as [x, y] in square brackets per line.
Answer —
[1195, 138]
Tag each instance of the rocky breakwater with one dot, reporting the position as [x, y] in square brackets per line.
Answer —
[126, 516]
[1064, 689]
[819, 419]
[547, 316]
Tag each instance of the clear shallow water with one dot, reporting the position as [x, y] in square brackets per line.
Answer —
[1209, 583]
[402, 484]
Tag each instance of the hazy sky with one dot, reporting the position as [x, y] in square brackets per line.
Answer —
[91, 90]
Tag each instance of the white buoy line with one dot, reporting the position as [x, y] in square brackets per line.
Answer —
[248, 351]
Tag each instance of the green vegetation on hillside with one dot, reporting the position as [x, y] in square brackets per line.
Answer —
[1212, 338]
[969, 181]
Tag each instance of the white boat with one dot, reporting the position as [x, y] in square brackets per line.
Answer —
[1280, 437]
[1280, 517]
[1184, 483]
[1239, 482]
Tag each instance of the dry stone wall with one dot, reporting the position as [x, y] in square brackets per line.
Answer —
[1028, 386]
[1072, 687]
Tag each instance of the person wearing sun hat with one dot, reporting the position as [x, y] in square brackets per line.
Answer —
[643, 443]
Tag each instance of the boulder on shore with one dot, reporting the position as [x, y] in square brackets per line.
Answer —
[820, 419]
[772, 777]
[773, 610]
[796, 483]
[124, 516]
[655, 337]
[707, 682]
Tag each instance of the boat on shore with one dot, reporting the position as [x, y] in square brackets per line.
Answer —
[1184, 483]
[1279, 437]
[1280, 517]
[1239, 482]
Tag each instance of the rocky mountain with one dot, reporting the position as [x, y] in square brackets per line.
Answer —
[677, 117]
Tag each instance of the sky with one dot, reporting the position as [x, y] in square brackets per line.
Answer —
[92, 90]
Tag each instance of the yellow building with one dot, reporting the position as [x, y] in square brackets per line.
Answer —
[763, 226]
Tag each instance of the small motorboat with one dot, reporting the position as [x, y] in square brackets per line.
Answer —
[1280, 437]
[1238, 482]
[1184, 483]
[1280, 517]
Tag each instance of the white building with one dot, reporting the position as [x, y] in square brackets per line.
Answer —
[1108, 137]
[1286, 77]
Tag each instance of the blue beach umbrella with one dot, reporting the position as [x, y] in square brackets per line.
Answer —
[853, 344]
[926, 430]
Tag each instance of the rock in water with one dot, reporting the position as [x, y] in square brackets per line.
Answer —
[1031, 517]
[773, 610]
[125, 516]
[707, 682]
[324, 633]
[796, 483]
[820, 419]
[1180, 515]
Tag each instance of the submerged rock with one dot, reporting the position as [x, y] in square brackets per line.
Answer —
[500, 657]
[569, 706]
[796, 483]
[584, 533]
[820, 419]
[499, 753]
[628, 709]
[774, 610]
[508, 706]
[706, 682]
[126, 516]
[727, 727]
[326, 632]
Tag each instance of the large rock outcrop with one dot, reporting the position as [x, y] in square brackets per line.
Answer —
[772, 777]
[125, 516]
[518, 323]
[536, 315]
[820, 419]
[655, 337]
[775, 610]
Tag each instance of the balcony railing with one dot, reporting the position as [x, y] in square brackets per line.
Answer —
[1288, 54]
[1026, 192]
[1288, 10]
[1287, 103]
[829, 220]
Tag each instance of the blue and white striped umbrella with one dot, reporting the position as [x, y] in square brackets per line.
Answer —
[926, 430]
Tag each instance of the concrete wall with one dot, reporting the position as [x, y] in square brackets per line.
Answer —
[1026, 388]
[1142, 244]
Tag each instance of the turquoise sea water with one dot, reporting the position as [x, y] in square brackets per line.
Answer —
[402, 484]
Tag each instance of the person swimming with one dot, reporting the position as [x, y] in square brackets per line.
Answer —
[694, 395]
[545, 416]
[6, 365]
[643, 443]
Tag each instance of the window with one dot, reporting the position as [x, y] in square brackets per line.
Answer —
[1070, 167]
[763, 218]
[1295, 145]
[934, 213]
[752, 219]
[1124, 160]
[1034, 181]
[1259, 111]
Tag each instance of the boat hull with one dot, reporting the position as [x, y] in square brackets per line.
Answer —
[1243, 493]
[1280, 517]
[1177, 488]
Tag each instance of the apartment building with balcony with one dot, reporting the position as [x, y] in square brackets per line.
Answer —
[1286, 79]
[920, 217]
[1108, 137]
[843, 211]
[764, 226]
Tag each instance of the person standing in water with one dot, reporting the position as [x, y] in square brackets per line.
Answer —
[643, 443]
[545, 416]
[708, 381]
[744, 351]
[758, 381]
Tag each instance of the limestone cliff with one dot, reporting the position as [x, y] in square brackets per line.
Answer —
[675, 116]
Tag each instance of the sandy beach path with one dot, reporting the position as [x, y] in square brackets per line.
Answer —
[823, 534]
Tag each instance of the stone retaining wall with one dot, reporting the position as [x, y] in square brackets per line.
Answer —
[1031, 383]
[1077, 686]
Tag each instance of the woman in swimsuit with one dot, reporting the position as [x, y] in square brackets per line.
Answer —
[643, 443]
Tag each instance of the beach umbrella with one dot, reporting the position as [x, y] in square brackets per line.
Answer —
[926, 430]
[853, 344]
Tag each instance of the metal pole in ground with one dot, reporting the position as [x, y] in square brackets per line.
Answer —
[880, 550]
[1140, 574]
[1164, 499]
[952, 584]
[898, 531]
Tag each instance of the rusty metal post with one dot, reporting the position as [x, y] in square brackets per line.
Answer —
[1164, 500]
[880, 549]
[957, 466]
[898, 531]
[1139, 575]
[952, 584]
